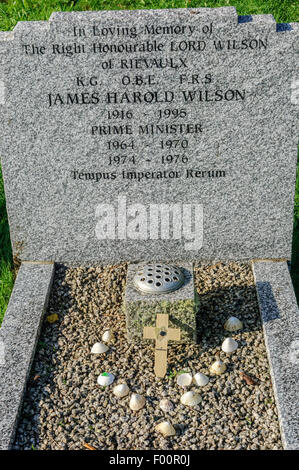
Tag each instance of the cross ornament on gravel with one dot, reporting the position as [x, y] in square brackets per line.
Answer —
[162, 334]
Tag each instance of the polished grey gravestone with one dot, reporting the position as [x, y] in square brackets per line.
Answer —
[149, 135]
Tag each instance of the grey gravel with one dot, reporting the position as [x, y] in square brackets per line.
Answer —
[65, 408]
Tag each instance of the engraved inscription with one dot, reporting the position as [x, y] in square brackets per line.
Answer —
[136, 58]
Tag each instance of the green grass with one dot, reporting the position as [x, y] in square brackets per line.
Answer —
[6, 274]
[12, 11]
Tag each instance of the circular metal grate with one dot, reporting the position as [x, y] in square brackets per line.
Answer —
[158, 278]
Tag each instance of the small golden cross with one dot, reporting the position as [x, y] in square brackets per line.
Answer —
[162, 334]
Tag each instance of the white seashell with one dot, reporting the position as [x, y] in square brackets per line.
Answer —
[233, 324]
[166, 429]
[229, 345]
[108, 336]
[190, 398]
[218, 367]
[99, 348]
[121, 390]
[105, 379]
[137, 402]
[166, 405]
[200, 379]
[184, 380]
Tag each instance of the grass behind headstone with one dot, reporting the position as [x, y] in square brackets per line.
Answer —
[6, 274]
[12, 11]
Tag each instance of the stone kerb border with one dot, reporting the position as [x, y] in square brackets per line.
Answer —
[280, 318]
[19, 334]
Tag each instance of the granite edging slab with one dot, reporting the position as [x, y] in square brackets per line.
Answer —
[18, 338]
[280, 318]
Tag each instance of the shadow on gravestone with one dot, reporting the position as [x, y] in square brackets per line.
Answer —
[272, 312]
[245, 19]
[283, 27]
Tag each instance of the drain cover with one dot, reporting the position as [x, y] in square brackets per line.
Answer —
[158, 278]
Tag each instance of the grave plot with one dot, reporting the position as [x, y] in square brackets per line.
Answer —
[64, 408]
[136, 138]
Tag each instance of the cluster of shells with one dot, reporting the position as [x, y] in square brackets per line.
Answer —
[218, 367]
[100, 348]
[106, 378]
[185, 379]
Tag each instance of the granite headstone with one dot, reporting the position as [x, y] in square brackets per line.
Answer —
[149, 135]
